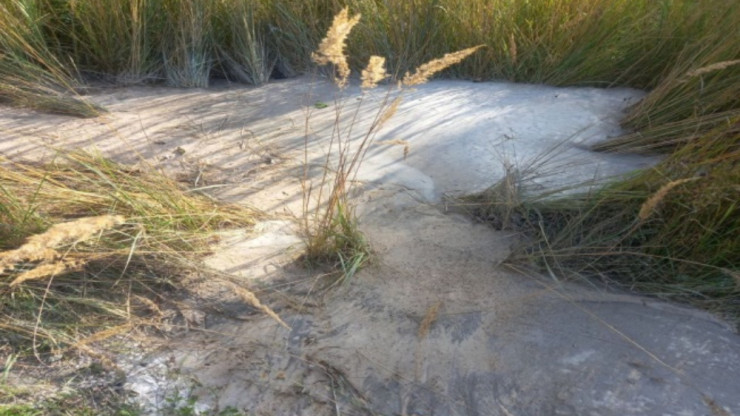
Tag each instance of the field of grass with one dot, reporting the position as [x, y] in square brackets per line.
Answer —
[671, 231]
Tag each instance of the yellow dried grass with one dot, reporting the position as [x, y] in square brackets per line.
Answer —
[49, 270]
[389, 112]
[399, 142]
[374, 72]
[41, 247]
[429, 319]
[512, 49]
[650, 205]
[250, 298]
[331, 48]
[711, 68]
[425, 71]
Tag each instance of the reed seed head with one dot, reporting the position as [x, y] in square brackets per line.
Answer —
[48, 270]
[374, 72]
[251, 299]
[331, 48]
[512, 49]
[711, 68]
[41, 247]
[429, 319]
[425, 71]
[389, 112]
[647, 208]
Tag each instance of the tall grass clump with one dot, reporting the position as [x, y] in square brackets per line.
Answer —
[241, 41]
[329, 220]
[89, 248]
[115, 39]
[188, 45]
[31, 75]
[700, 92]
[672, 231]
[636, 43]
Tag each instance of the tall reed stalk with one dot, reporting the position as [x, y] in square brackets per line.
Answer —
[329, 222]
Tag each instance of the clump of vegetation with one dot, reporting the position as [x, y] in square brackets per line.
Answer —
[88, 247]
[329, 222]
[672, 231]
[31, 75]
[639, 43]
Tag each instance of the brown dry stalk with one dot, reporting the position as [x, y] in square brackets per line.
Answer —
[49, 270]
[389, 112]
[331, 48]
[149, 305]
[42, 246]
[429, 319]
[711, 68]
[649, 206]
[251, 299]
[399, 142]
[374, 73]
[425, 71]
[104, 334]
[512, 48]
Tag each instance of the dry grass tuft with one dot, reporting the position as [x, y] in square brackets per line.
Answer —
[251, 299]
[374, 72]
[389, 112]
[49, 270]
[429, 318]
[711, 68]
[331, 49]
[329, 222]
[512, 49]
[41, 247]
[647, 209]
[425, 71]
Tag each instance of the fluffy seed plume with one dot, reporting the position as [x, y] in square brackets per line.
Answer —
[331, 49]
[250, 298]
[389, 112]
[425, 71]
[41, 247]
[647, 208]
[48, 270]
[512, 48]
[711, 68]
[374, 73]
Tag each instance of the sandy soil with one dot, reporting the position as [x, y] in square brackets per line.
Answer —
[437, 325]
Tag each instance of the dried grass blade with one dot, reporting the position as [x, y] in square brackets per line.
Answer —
[331, 48]
[425, 71]
[250, 298]
[647, 208]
